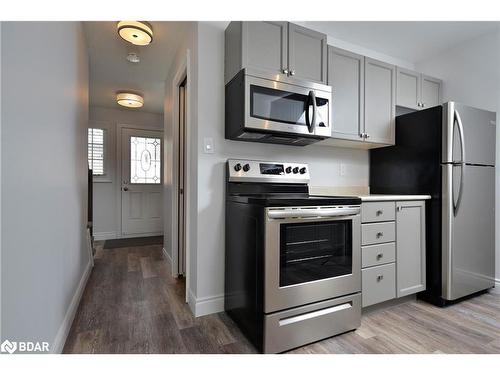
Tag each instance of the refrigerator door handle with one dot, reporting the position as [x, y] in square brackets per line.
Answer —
[458, 121]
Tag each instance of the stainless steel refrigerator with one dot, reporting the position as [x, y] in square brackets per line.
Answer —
[448, 152]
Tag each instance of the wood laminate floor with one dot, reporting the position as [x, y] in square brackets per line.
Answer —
[132, 305]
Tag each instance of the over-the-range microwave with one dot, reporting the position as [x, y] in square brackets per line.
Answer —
[271, 109]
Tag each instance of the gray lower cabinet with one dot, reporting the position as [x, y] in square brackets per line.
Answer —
[380, 102]
[346, 76]
[378, 284]
[410, 247]
[393, 250]
[275, 47]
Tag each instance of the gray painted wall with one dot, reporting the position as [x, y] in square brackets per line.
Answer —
[106, 199]
[44, 194]
[471, 75]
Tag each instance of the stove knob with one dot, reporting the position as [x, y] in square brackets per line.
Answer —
[296, 170]
[302, 170]
[246, 167]
[288, 170]
[237, 167]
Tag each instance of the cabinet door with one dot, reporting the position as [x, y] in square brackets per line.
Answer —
[306, 54]
[431, 91]
[408, 88]
[380, 101]
[410, 247]
[346, 76]
[265, 46]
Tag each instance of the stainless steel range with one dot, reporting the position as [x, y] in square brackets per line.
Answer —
[293, 261]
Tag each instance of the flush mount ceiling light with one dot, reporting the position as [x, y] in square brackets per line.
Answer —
[130, 100]
[136, 32]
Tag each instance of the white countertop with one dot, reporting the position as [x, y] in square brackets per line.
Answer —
[392, 197]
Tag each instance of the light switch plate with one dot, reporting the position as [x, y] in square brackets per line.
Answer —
[208, 145]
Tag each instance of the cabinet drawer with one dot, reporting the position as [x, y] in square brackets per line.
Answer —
[378, 284]
[302, 325]
[377, 211]
[375, 255]
[377, 233]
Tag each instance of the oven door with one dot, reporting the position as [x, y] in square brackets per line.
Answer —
[283, 107]
[311, 254]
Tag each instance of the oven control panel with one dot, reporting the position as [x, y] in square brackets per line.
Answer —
[267, 171]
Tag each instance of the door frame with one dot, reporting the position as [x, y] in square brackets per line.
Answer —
[183, 73]
[119, 178]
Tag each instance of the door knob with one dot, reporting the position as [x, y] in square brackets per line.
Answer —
[285, 71]
[292, 72]
[380, 255]
[125, 188]
[379, 212]
[380, 234]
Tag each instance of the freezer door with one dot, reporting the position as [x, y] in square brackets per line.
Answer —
[468, 247]
[475, 127]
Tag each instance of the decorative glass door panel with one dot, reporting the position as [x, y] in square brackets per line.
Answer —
[145, 160]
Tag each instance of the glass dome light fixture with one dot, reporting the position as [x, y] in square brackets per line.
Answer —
[130, 100]
[139, 33]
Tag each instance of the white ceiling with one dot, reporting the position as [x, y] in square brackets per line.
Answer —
[111, 72]
[409, 41]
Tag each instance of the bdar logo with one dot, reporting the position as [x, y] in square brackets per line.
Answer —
[8, 347]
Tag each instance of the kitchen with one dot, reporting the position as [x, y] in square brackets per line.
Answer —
[405, 91]
[337, 173]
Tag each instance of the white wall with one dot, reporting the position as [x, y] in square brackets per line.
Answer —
[44, 178]
[106, 193]
[324, 165]
[471, 75]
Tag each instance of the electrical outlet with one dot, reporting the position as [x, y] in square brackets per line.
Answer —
[343, 169]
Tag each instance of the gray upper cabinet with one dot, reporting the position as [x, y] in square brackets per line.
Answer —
[431, 91]
[380, 101]
[416, 90]
[410, 247]
[346, 76]
[306, 54]
[408, 88]
[261, 45]
[275, 47]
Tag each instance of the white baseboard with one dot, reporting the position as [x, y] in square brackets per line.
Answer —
[497, 286]
[62, 334]
[166, 255]
[205, 305]
[102, 236]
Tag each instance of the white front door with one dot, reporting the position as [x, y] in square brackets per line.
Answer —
[142, 182]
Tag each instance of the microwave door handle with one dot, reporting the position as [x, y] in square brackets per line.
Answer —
[312, 97]
[310, 124]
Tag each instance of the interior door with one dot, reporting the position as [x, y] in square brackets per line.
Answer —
[142, 181]
[182, 182]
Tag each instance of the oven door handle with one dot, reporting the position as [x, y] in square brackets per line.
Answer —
[312, 212]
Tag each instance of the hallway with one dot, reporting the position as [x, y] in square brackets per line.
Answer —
[132, 305]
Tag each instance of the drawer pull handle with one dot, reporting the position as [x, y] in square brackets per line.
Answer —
[314, 314]
[380, 255]
[380, 277]
[379, 212]
[380, 234]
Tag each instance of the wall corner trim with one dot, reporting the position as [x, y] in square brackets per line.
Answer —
[206, 305]
[62, 334]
